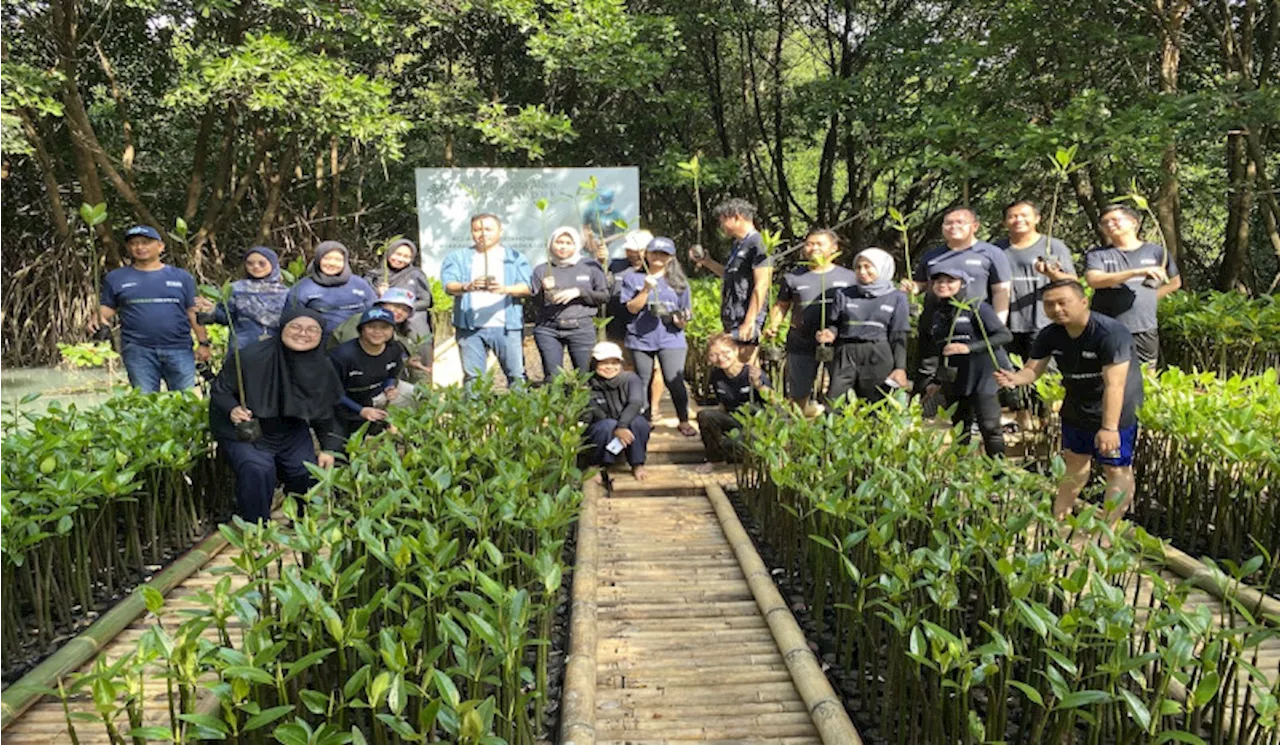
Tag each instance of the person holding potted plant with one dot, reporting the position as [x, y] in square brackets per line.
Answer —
[1103, 383]
[330, 289]
[808, 293]
[402, 271]
[369, 367]
[745, 275]
[961, 360]
[615, 414]
[488, 281]
[660, 303]
[1129, 277]
[571, 288]
[869, 323]
[254, 307]
[265, 428]
[736, 384]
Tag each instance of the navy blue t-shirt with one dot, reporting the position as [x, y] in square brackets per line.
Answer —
[739, 281]
[152, 305]
[1105, 341]
[856, 316]
[808, 292]
[733, 393]
[986, 264]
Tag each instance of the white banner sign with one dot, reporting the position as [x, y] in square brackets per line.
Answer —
[448, 197]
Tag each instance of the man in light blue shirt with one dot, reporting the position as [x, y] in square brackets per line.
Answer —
[488, 279]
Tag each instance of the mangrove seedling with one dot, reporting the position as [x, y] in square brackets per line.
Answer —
[245, 431]
[94, 215]
[1140, 201]
[1063, 166]
[900, 225]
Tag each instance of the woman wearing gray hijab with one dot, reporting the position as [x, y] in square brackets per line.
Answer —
[869, 327]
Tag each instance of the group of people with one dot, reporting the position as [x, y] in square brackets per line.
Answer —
[331, 353]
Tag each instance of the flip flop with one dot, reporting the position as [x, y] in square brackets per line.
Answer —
[687, 429]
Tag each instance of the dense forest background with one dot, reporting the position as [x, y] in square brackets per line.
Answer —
[287, 122]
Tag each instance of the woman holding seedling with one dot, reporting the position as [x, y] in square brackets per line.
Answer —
[264, 406]
[869, 323]
[660, 303]
[961, 346]
[330, 289]
[254, 307]
[567, 290]
[615, 420]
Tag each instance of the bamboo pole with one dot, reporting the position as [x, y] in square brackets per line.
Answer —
[578, 705]
[827, 710]
[1217, 584]
[75, 653]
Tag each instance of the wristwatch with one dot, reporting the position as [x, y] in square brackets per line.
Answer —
[205, 343]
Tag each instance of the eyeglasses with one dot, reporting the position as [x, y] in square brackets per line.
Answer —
[304, 330]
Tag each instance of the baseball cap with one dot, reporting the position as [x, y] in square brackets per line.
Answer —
[376, 314]
[145, 231]
[606, 350]
[942, 271]
[662, 244]
[398, 296]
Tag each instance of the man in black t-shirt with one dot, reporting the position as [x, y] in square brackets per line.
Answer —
[745, 275]
[1103, 383]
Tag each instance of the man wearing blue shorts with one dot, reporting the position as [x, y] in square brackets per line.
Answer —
[1103, 383]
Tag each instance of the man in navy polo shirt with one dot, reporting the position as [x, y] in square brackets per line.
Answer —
[1103, 383]
[156, 304]
[986, 264]
[745, 275]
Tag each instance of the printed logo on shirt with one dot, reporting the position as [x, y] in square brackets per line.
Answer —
[963, 319]
[839, 284]
[391, 365]
[802, 287]
[886, 308]
[171, 283]
[1148, 262]
[354, 373]
[744, 389]
[1086, 354]
[358, 292]
[127, 285]
[583, 278]
[973, 262]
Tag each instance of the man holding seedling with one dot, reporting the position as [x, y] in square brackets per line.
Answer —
[1129, 277]
[369, 367]
[488, 280]
[809, 292]
[744, 290]
[1103, 392]
[157, 308]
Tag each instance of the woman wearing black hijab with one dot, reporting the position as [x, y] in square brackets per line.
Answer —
[290, 389]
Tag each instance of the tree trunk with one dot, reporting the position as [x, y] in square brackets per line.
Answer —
[276, 179]
[335, 172]
[1168, 206]
[57, 211]
[1235, 247]
[199, 157]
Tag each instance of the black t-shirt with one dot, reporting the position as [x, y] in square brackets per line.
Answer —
[739, 281]
[364, 376]
[586, 276]
[1105, 341]
[737, 391]
[860, 317]
[808, 291]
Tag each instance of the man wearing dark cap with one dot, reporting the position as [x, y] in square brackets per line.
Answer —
[156, 304]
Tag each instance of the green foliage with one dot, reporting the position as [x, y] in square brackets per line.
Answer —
[962, 606]
[411, 599]
[1223, 332]
[93, 499]
[88, 354]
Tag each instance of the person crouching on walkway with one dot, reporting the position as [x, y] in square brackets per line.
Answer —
[869, 324]
[290, 391]
[737, 385]
[369, 367]
[966, 338]
[615, 422]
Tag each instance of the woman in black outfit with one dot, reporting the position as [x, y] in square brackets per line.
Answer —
[960, 358]
[290, 390]
[614, 421]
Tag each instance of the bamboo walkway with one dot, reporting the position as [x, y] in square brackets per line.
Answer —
[679, 634]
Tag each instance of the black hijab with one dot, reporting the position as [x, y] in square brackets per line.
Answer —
[330, 280]
[281, 383]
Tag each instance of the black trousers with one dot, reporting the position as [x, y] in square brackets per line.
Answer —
[861, 367]
[672, 361]
[982, 406]
[716, 427]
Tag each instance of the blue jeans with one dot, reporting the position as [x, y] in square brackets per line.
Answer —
[475, 344]
[147, 366]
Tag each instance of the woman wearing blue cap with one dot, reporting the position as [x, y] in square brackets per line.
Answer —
[369, 367]
[567, 290]
[660, 303]
[253, 310]
[960, 345]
